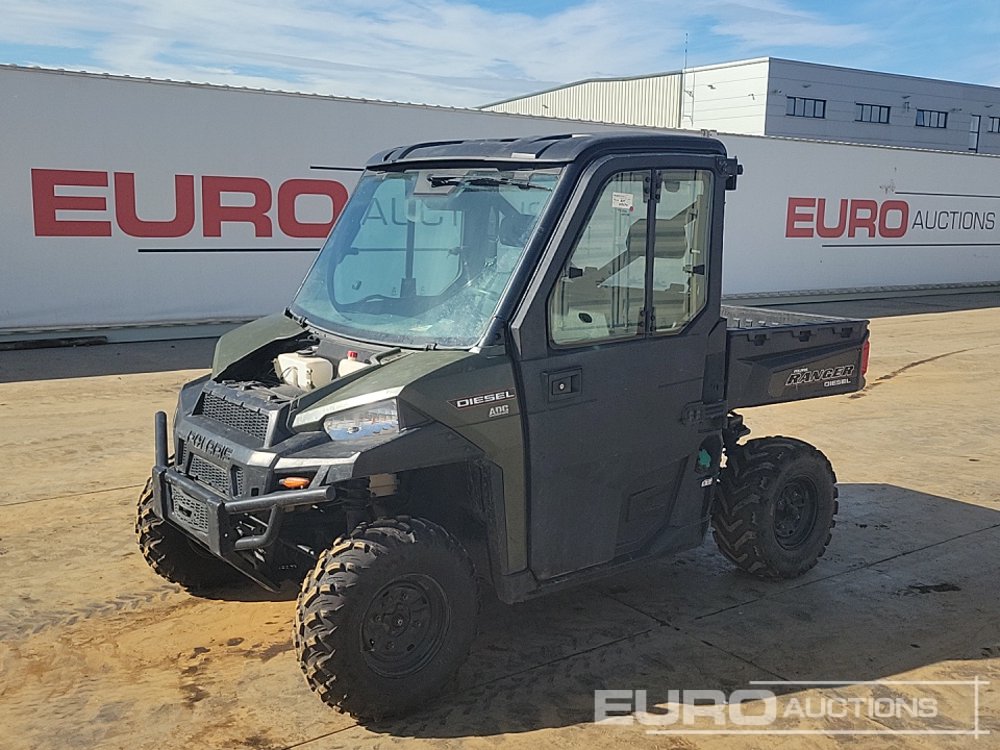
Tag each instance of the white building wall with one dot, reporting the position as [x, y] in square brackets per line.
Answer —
[750, 97]
[844, 88]
[726, 98]
[650, 101]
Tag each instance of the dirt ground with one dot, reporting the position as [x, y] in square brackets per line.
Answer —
[97, 652]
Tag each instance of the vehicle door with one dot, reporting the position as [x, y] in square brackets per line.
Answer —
[612, 344]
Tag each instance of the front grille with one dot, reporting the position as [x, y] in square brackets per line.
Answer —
[189, 511]
[237, 416]
[210, 474]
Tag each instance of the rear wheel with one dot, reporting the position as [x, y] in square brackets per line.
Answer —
[776, 506]
[175, 557]
[386, 617]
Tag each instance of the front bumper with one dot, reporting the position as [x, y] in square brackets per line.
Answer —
[211, 518]
[232, 445]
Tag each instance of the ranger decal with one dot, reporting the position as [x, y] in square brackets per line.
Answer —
[831, 376]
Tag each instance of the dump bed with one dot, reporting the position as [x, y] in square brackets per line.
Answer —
[774, 356]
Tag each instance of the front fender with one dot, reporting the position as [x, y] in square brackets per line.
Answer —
[421, 447]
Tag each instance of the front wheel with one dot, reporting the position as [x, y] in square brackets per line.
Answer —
[175, 557]
[386, 617]
[775, 508]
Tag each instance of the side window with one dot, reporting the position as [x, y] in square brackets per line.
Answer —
[600, 294]
[680, 248]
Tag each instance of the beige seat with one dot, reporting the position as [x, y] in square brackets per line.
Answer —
[671, 297]
[671, 238]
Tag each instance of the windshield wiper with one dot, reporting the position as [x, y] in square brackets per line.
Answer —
[438, 180]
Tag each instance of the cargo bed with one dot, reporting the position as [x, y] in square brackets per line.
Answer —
[774, 356]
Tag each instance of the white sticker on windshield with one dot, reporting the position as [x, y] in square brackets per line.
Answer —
[622, 201]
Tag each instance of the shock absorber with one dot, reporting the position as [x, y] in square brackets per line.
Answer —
[355, 498]
[384, 489]
[360, 497]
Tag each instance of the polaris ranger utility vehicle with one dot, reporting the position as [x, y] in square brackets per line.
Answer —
[509, 366]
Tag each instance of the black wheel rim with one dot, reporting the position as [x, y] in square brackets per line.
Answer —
[795, 512]
[405, 625]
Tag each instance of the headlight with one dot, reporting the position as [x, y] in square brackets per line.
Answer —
[380, 418]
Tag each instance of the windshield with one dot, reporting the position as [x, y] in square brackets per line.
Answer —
[421, 257]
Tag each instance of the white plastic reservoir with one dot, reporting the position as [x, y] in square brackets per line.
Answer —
[304, 370]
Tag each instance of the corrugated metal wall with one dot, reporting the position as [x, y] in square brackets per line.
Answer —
[653, 101]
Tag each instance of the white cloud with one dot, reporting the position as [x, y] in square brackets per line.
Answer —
[438, 51]
[769, 24]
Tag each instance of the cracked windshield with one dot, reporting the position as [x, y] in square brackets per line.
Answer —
[420, 258]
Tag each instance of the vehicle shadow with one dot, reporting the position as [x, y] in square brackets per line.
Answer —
[105, 359]
[909, 581]
[250, 591]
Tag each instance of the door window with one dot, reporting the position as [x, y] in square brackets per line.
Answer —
[680, 248]
[601, 291]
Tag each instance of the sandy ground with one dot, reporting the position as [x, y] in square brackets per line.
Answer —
[97, 652]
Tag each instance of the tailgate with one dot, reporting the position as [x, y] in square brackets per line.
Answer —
[775, 356]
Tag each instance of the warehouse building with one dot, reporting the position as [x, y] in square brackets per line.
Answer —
[772, 96]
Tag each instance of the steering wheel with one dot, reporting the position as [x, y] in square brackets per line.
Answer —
[375, 298]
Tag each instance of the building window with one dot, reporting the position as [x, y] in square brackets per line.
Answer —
[872, 113]
[995, 124]
[799, 107]
[974, 124]
[929, 118]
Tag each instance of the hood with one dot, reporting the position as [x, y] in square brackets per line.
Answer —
[248, 338]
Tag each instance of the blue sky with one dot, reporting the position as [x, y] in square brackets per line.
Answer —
[471, 52]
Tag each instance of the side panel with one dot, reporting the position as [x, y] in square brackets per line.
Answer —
[478, 398]
[770, 366]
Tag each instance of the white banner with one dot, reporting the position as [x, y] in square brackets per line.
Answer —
[138, 202]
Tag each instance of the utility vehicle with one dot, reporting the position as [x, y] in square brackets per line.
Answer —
[508, 367]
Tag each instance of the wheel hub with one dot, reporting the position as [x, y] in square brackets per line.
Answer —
[404, 625]
[795, 513]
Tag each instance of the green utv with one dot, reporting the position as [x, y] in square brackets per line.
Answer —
[509, 366]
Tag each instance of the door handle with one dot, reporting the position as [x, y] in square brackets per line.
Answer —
[564, 384]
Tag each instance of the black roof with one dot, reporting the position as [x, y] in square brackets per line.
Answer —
[556, 149]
